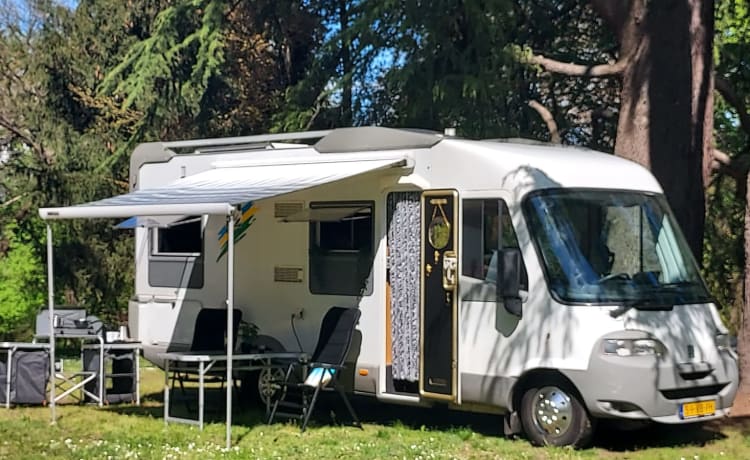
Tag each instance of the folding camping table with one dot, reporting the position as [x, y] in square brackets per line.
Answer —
[110, 352]
[72, 322]
[79, 379]
[9, 348]
[201, 363]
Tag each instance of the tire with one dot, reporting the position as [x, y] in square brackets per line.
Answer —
[268, 384]
[553, 415]
[259, 387]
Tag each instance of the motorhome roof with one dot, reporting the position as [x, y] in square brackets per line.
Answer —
[565, 164]
[529, 166]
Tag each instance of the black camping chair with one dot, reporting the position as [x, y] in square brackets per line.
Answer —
[325, 367]
[209, 335]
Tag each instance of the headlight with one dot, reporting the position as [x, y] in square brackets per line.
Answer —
[723, 341]
[633, 347]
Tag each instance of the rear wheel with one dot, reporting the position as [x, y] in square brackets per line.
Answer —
[259, 387]
[268, 384]
[553, 415]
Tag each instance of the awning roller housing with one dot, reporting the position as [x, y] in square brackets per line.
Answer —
[216, 191]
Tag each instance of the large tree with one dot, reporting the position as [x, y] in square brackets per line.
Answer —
[664, 65]
[730, 190]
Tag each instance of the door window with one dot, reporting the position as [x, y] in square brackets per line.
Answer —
[487, 229]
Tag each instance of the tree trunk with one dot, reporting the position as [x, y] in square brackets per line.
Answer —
[666, 112]
[741, 405]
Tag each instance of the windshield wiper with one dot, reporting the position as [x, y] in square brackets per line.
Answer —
[641, 304]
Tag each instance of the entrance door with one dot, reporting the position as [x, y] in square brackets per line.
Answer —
[439, 288]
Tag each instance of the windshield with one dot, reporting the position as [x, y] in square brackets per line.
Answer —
[612, 247]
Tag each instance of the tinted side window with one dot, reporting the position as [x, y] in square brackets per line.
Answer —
[176, 258]
[183, 237]
[341, 251]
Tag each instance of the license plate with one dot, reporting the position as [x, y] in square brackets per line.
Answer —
[697, 409]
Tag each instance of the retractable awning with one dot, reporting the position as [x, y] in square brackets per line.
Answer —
[217, 190]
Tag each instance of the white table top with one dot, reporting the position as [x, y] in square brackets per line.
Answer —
[114, 346]
[207, 356]
[24, 345]
[70, 335]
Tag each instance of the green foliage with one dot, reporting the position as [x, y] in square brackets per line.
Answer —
[22, 283]
[724, 258]
[585, 109]
[86, 84]
[177, 61]
[452, 66]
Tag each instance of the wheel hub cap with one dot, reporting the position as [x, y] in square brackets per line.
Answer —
[552, 411]
[268, 383]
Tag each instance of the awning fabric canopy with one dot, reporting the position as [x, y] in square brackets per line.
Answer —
[217, 190]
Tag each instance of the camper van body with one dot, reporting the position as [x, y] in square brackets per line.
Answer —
[423, 341]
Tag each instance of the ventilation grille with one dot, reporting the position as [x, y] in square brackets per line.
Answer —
[287, 208]
[693, 392]
[287, 274]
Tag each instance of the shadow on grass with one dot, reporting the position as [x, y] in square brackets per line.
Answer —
[330, 410]
[184, 404]
[609, 437]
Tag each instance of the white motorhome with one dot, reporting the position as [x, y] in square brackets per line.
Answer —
[549, 284]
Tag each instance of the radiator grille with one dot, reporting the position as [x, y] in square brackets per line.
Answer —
[287, 208]
[287, 274]
[693, 392]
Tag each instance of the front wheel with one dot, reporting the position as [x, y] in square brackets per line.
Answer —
[552, 415]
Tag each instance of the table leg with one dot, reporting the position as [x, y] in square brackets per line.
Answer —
[7, 377]
[201, 370]
[137, 377]
[166, 390]
[102, 372]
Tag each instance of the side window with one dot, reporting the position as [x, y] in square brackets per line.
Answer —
[487, 228]
[177, 254]
[182, 238]
[341, 248]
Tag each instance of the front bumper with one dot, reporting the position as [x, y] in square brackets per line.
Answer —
[654, 388]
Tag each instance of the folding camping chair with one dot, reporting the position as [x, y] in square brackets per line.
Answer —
[326, 365]
[209, 335]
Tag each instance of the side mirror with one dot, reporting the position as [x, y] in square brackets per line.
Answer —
[509, 280]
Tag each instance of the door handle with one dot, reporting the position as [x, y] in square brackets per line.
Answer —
[450, 267]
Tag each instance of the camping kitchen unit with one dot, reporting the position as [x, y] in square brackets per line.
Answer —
[549, 284]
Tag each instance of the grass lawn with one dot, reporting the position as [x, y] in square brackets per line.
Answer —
[129, 432]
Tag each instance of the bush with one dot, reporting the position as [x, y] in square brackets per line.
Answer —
[22, 284]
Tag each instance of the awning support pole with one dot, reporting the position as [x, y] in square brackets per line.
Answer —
[51, 310]
[230, 323]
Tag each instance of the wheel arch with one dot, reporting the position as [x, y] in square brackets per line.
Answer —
[533, 377]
